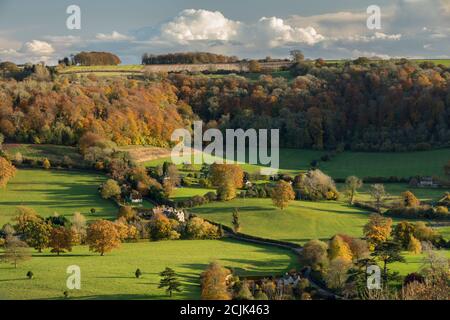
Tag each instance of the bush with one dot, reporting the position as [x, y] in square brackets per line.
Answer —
[162, 228]
[138, 273]
[199, 229]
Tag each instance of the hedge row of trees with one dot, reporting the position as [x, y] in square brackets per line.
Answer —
[92, 59]
[187, 58]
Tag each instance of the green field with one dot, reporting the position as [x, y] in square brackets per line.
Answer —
[413, 262]
[50, 192]
[106, 69]
[300, 222]
[361, 164]
[186, 193]
[112, 276]
[396, 189]
[41, 151]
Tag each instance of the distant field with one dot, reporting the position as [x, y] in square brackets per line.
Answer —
[362, 164]
[50, 192]
[117, 69]
[413, 262]
[41, 151]
[112, 276]
[396, 189]
[299, 223]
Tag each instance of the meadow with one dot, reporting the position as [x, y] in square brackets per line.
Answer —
[361, 164]
[112, 276]
[42, 151]
[50, 192]
[300, 222]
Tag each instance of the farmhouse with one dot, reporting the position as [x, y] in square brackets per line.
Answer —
[427, 182]
[135, 197]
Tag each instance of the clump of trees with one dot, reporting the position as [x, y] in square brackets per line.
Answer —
[92, 59]
[315, 185]
[187, 58]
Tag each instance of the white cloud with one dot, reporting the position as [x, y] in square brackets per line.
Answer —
[276, 32]
[193, 24]
[36, 47]
[114, 36]
[203, 25]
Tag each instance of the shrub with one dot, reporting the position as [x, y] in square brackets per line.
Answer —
[199, 229]
[163, 228]
[46, 164]
[138, 273]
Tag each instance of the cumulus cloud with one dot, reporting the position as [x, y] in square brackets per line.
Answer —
[193, 24]
[276, 32]
[203, 25]
[114, 36]
[37, 47]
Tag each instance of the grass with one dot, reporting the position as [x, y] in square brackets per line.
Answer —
[50, 192]
[112, 276]
[39, 152]
[396, 189]
[413, 262]
[361, 164]
[116, 69]
[186, 193]
[300, 222]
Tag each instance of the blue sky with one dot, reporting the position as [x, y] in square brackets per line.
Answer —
[35, 30]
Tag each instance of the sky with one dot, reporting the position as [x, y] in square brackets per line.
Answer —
[36, 30]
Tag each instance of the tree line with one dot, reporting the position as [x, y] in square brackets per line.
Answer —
[187, 58]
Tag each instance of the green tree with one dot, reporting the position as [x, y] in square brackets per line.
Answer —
[110, 189]
[388, 252]
[235, 221]
[353, 184]
[403, 232]
[37, 234]
[169, 281]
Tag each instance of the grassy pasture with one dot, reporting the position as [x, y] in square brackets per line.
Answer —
[41, 151]
[361, 164]
[413, 262]
[300, 222]
[105, 69]
[112, 276]
[396, 189]
[50, 192]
